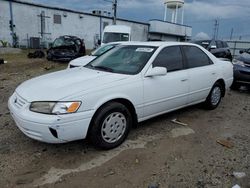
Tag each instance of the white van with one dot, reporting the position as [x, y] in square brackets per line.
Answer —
[115, 33]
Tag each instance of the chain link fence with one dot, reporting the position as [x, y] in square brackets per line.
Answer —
[237, 45]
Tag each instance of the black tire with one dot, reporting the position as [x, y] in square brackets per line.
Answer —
[209, 103]
[235, 86]
[96, 130]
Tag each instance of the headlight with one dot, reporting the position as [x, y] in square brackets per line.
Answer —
[55, 107]
[238, 62]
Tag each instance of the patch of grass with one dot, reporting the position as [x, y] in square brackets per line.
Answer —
[15, 56]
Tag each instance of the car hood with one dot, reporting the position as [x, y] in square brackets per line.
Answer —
[59, 85]
[245, 57]
[81, 61]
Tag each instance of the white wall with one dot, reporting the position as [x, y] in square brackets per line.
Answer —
[28, 24]
[139, 32]
[157, 26]
[4, 21]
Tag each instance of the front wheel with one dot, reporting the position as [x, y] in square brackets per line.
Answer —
[214, 97]
[110, 125]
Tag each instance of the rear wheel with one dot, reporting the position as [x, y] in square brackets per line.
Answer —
[214, 97]
[110, 125]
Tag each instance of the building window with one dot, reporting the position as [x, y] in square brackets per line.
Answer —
[57, 19]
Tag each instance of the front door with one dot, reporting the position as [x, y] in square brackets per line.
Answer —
[167, 92]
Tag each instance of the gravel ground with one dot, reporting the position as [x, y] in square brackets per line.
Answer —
[158, 152]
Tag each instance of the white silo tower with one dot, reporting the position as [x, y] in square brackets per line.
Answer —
[175, 7]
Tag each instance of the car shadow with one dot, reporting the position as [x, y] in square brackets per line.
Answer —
[85, 145]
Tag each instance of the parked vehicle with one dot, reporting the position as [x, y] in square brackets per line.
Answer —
[241, 70]
[115, 33]
[66, 48]
[218, 48]
[245, 51]
[130, 83]
[81, 61]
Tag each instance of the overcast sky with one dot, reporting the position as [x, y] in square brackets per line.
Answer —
[200, 14]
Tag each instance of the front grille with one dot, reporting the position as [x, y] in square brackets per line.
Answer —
[19, 101]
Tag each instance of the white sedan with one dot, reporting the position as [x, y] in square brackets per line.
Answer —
[130, 83]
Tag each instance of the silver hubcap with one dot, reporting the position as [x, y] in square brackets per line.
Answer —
[113, 127]
[215, 96]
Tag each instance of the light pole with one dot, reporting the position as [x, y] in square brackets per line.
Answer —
[115, 11]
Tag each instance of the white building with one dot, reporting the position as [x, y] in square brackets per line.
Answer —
[47, 23]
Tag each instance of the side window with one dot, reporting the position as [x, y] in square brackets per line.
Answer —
[219, 44]
[169, 57]
[196, 57]
[225, 45]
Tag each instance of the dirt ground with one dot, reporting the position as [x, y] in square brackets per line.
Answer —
[158, 153]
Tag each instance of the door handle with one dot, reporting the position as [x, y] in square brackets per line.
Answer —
[184, 80]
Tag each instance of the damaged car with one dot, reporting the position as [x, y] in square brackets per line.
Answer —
[66, 48]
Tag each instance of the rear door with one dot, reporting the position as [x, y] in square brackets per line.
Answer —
[202, 73]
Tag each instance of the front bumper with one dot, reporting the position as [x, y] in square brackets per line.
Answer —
[241, 74]
[48, 128]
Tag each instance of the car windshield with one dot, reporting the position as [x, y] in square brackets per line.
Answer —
[103, 49]
[129, 59]
[63, 42]
[114, 37]
[204, 43]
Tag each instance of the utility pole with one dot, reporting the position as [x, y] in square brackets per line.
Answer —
[231, 35]
[114, 8]
[216, 29]
[12, 26]
[115, 11]
[42, 23]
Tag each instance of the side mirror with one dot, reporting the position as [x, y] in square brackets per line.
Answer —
[156, 71]
[241, 51]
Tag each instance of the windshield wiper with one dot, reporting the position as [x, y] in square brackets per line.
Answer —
[103, 68]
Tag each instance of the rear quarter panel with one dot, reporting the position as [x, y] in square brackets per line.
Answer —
[226, 72]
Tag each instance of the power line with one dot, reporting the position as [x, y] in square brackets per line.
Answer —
[212, 20]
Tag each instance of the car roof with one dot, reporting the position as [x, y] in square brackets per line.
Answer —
[158, 44]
